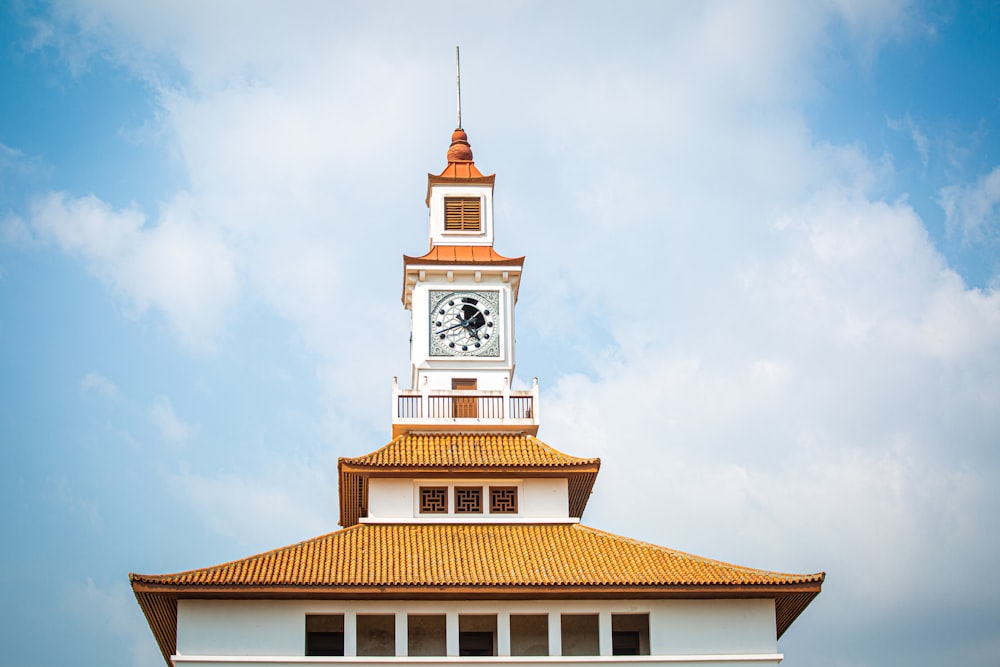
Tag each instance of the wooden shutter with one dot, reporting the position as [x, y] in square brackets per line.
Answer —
[462, 214]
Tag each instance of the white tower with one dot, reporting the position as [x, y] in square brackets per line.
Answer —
[461, 297]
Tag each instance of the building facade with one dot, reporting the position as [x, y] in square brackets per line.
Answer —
[461, 539]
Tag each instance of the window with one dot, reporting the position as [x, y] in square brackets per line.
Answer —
[580, 634]
[376, 634]
[503, 500]
[529, 634]
[426, 634]
[630, 634]
[477, 635]
[325, 634]
[462, 214]
[468, 500]
[433, 499]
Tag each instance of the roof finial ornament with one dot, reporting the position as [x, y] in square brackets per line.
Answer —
[458, 87]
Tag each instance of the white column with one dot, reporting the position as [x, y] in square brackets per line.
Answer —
[555, 633]
[503, 633]
[451, 632]
[604, 631]
[402, 635]
[350, 634]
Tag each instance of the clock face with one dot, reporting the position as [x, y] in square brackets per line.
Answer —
[464, 324]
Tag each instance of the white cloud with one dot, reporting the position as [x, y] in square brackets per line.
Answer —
[180, 266]
[288, 503]
[917, 135]
[974, 210]
[171, 428]
[95, 383]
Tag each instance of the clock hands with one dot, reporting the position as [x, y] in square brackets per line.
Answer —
[468, 325]
[453, 326]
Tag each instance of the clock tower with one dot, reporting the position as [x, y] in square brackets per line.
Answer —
[461, 539]
[461, 297]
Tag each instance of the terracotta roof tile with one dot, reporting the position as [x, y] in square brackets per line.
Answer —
[475, 555]
[468, 450]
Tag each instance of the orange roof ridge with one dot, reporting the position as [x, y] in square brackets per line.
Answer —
[463, 254]
[468, 450]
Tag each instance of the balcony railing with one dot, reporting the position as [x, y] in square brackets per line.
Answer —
[449, 410]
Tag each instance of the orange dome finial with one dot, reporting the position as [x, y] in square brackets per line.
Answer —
[459, 151]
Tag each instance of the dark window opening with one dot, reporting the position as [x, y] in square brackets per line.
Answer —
[325, 634]
[625, 643]
[630, 634]
[475, 643]
[477, 634]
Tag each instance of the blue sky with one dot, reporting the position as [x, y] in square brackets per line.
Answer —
[761, 284]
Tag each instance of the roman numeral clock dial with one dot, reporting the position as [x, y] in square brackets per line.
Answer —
[464, 324]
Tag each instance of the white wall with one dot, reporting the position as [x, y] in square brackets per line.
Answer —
[390, 497]
[435, 213]
[677, 627]
[539, 498]
[225, 627]
[544, 497]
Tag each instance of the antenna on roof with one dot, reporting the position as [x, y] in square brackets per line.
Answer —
[458, 86]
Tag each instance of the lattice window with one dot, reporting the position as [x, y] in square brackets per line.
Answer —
[433, 499]
[468, 500]
[503, 500]
[462, 214]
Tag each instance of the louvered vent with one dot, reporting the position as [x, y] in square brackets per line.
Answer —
[462, 214]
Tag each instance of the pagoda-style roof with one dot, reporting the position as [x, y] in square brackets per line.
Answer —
[463, 254]
[414, 561]
[439, 454]
[468, 451]
[459, 255]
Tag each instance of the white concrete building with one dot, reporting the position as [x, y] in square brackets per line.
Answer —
[461, 539]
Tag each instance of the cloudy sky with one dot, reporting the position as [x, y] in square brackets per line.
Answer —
[762, 284]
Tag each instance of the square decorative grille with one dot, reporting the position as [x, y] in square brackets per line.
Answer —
[503, 500]
[468, 500]
[433, 499]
